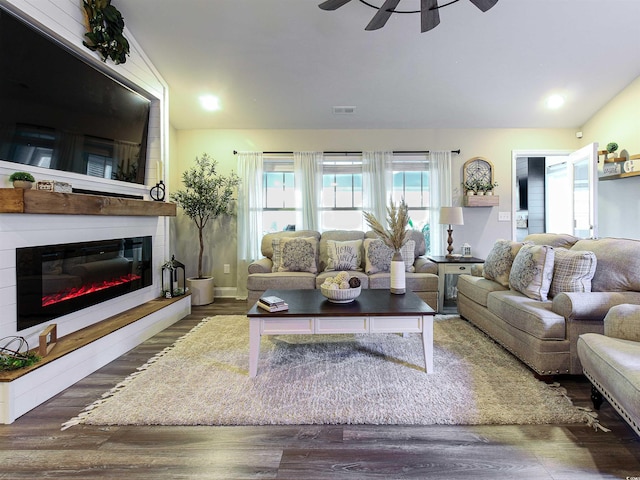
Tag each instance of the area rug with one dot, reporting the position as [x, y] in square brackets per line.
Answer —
[332, 379]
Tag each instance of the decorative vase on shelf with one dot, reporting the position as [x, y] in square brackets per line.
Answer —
[398, 281]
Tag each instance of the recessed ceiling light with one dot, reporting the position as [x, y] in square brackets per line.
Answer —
[210, 102]
[555, 101]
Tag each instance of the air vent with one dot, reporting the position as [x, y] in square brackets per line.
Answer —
[344, 110]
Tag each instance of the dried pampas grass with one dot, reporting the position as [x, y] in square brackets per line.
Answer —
[397, 219]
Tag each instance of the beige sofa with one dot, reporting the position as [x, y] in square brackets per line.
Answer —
[543, 333]
[612, 362]
[422, 280]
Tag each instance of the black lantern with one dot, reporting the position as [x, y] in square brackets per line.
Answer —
[173, 278]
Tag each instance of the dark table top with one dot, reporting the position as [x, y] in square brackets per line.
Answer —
[369, 302]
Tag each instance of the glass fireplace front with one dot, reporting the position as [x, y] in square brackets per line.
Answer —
[55, 280]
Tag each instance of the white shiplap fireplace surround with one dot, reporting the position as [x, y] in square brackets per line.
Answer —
[65, 21]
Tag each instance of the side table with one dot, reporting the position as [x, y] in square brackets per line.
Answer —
[451, 266]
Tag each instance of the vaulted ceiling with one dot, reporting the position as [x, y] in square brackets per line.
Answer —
[287, 63]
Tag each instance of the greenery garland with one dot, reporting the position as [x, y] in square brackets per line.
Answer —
[105, 31]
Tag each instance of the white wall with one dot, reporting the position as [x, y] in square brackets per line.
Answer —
[65, 19]
[618, 200]
[481, 227]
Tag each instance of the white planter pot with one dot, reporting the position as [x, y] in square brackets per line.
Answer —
[202, 292]
[398, 283]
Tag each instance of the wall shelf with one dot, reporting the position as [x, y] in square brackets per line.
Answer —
[481, 201]
[17, 200]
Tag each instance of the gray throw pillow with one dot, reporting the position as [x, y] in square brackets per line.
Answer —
[532, 271]
[295, 254]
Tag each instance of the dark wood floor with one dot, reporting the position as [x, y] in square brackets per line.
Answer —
[35, 447]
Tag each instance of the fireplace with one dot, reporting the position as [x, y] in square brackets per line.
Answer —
[55, 280]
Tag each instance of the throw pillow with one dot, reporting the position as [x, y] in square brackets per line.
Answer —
[378, 256]
[345, 255]
[498, 263]
[532, 271]
[572, 271]
[295, 254]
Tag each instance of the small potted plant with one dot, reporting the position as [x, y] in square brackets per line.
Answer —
[488, 188]
[207, 196]
[22, 180]
[471, 187]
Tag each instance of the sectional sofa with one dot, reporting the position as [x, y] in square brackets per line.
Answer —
[537, 297]
[315, 256]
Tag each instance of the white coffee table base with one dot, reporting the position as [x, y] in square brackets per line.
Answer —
[287, 325]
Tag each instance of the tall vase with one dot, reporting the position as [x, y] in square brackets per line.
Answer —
[398, 282]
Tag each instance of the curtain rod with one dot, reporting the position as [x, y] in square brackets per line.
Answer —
[405, 152]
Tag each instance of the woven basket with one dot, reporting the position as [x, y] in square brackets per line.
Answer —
[342, 295]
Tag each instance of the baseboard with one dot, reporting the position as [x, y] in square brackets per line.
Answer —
[22, 394]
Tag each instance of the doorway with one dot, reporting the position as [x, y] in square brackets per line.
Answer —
[555, 192]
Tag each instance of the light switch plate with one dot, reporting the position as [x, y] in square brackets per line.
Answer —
[504, 216]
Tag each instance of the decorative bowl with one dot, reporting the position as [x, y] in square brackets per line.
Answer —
[340, 295]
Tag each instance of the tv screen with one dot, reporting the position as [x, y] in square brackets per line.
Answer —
[59, 112]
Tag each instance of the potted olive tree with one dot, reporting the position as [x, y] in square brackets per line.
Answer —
[207, 195]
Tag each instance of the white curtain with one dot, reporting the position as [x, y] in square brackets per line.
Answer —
[377, 178]
[307, 169]
[250, 204]
[440, 195]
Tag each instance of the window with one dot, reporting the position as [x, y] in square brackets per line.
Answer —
[411, 182]
[279, 212]
[341, 207]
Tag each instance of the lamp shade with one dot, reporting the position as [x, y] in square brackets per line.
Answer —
[451, 216]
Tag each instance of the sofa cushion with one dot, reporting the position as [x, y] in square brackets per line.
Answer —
[295, 254]
[416, 235]
[281, 281]
[337, 236]
[498, 263]
[572, 271]
[531, 316]
[618, 265]
[560, 240]
[378, 256]
[345, 255]
[266, 246]
[477, 288]
[415, 282]
[532, 271]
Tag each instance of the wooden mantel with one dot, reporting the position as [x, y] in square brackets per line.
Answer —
[18, 200]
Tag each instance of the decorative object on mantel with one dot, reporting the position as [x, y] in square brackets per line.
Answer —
[15, 354]
[105, 31]
[394, 238]
[22, 180]
[47, 340]
[429, 11]
[465, 250]
[157, 193]
[451, 216]
[54, 186]
[207, 196]
[173, 278]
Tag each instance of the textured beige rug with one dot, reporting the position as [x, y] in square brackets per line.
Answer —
[332, 379]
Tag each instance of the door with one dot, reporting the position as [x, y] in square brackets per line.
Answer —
[583, 172]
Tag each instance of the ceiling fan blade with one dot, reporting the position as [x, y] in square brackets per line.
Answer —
[430, 16]
[333, 4]
[484, 5]
[383, 14]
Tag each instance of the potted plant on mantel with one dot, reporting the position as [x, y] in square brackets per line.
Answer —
[207, 196]
[22, 180]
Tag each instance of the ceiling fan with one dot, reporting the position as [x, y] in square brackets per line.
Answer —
[430, 17]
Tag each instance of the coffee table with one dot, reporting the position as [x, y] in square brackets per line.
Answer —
[310, 313]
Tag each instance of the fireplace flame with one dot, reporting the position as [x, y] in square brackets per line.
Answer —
[69, 293]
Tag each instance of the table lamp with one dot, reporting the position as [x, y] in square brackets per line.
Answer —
[451, 216]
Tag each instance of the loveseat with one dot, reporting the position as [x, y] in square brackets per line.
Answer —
[611, 362]
[536, 297]
[305, 264]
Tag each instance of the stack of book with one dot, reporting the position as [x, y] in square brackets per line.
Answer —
[272, 304]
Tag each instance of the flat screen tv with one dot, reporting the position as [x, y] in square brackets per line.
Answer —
[57, 111]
